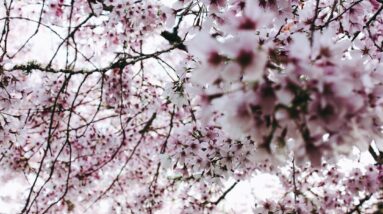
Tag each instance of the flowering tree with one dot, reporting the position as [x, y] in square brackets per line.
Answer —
[155, 107]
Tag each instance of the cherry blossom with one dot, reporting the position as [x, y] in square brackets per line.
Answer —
[131, 106]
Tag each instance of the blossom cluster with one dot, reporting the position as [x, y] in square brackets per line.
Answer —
[330, 190]
[148, 106]
[313, 92]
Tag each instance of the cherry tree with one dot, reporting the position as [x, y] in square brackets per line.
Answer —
[145, 106]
